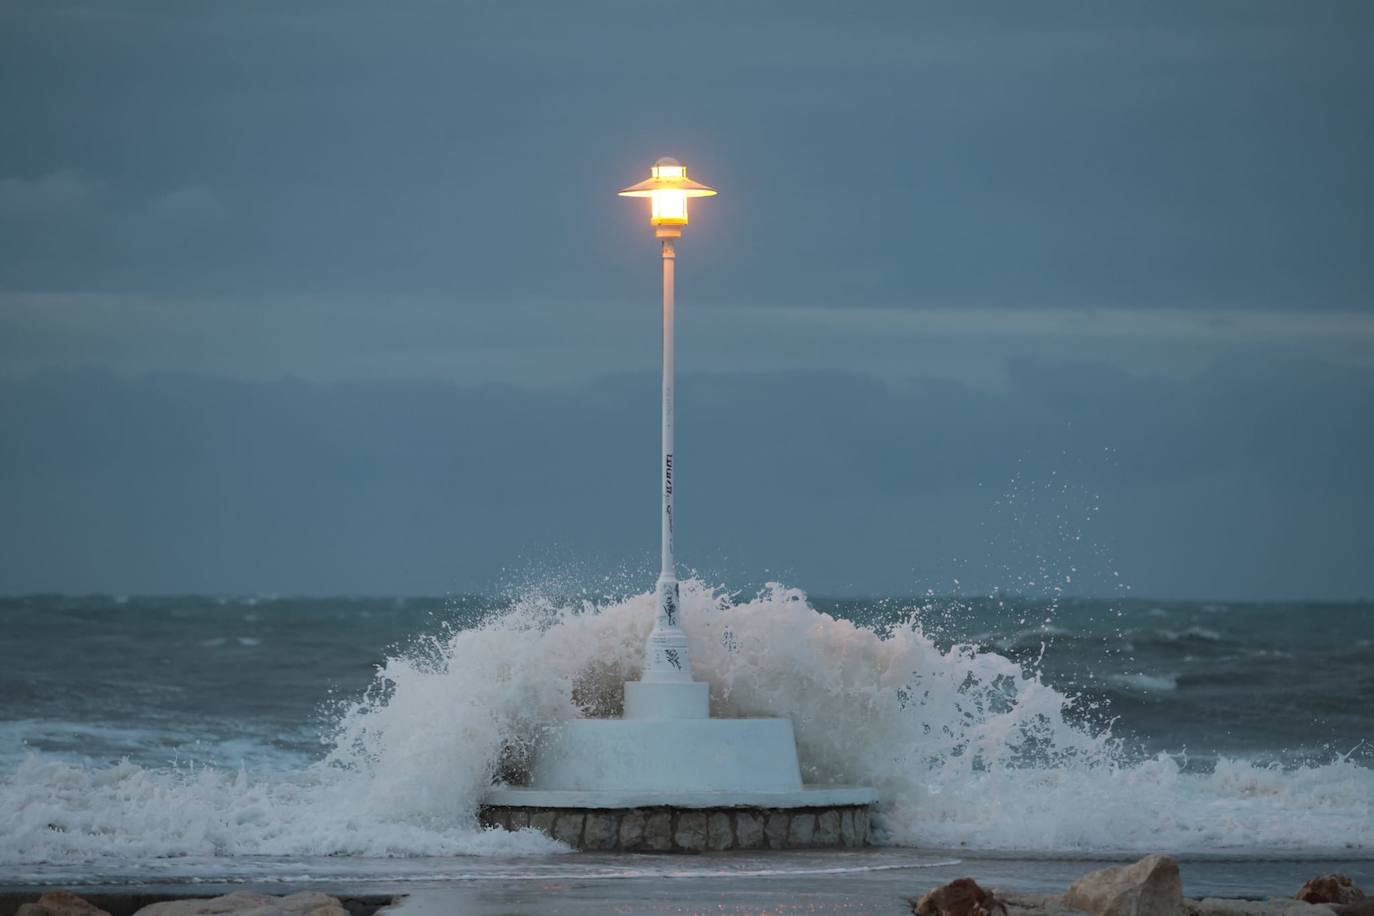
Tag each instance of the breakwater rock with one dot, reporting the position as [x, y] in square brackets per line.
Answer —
[1331, 889]
[1150, 887]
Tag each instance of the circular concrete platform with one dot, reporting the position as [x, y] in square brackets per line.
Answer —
[670, 779]
[702, 829]
[804, 797]
[653, 756]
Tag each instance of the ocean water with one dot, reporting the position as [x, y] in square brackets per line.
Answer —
[241, 736]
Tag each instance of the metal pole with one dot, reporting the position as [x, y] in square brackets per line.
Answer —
[666, 657]
[667, 571]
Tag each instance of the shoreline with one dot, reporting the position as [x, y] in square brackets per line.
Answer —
[878, 880]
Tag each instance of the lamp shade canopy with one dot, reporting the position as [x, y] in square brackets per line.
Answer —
[668, 188]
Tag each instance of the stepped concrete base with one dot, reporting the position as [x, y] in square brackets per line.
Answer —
[666, 828]
[666, 778]
[650, 756]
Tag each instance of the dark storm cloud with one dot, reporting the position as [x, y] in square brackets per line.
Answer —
[1066, 154]
[981, 278]
[1074, 477]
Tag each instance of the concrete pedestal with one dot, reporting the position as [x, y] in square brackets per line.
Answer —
[673, 756]
[668, 778]
[667, 700]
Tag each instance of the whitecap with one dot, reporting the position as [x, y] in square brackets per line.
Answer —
[1149, 682]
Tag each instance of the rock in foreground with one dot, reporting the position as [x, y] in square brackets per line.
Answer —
[1331, 889]
[60, 903]
[1150, 887]
[962, 897]
[245, 903]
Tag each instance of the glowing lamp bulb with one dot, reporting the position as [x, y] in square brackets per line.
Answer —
[668, 188]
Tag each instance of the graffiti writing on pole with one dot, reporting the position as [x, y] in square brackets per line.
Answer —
[668, 489]
[670, 605]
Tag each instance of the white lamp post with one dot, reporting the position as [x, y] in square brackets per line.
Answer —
[666, 657]
[700, 775]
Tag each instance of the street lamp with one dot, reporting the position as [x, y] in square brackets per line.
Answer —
[707, 780]
[668, 187]
[666, 659]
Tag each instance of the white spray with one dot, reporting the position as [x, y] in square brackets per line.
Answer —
[966, 748]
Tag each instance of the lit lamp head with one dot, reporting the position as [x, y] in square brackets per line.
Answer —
[668, 188]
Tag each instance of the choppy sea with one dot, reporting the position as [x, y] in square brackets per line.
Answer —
[242, 736]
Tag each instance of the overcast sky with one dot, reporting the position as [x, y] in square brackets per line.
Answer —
[962, 254]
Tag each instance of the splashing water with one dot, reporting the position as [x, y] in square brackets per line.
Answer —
[966, 748]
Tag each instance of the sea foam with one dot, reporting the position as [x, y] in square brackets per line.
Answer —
[967, 749]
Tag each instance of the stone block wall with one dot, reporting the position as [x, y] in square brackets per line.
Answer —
[666, 829]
